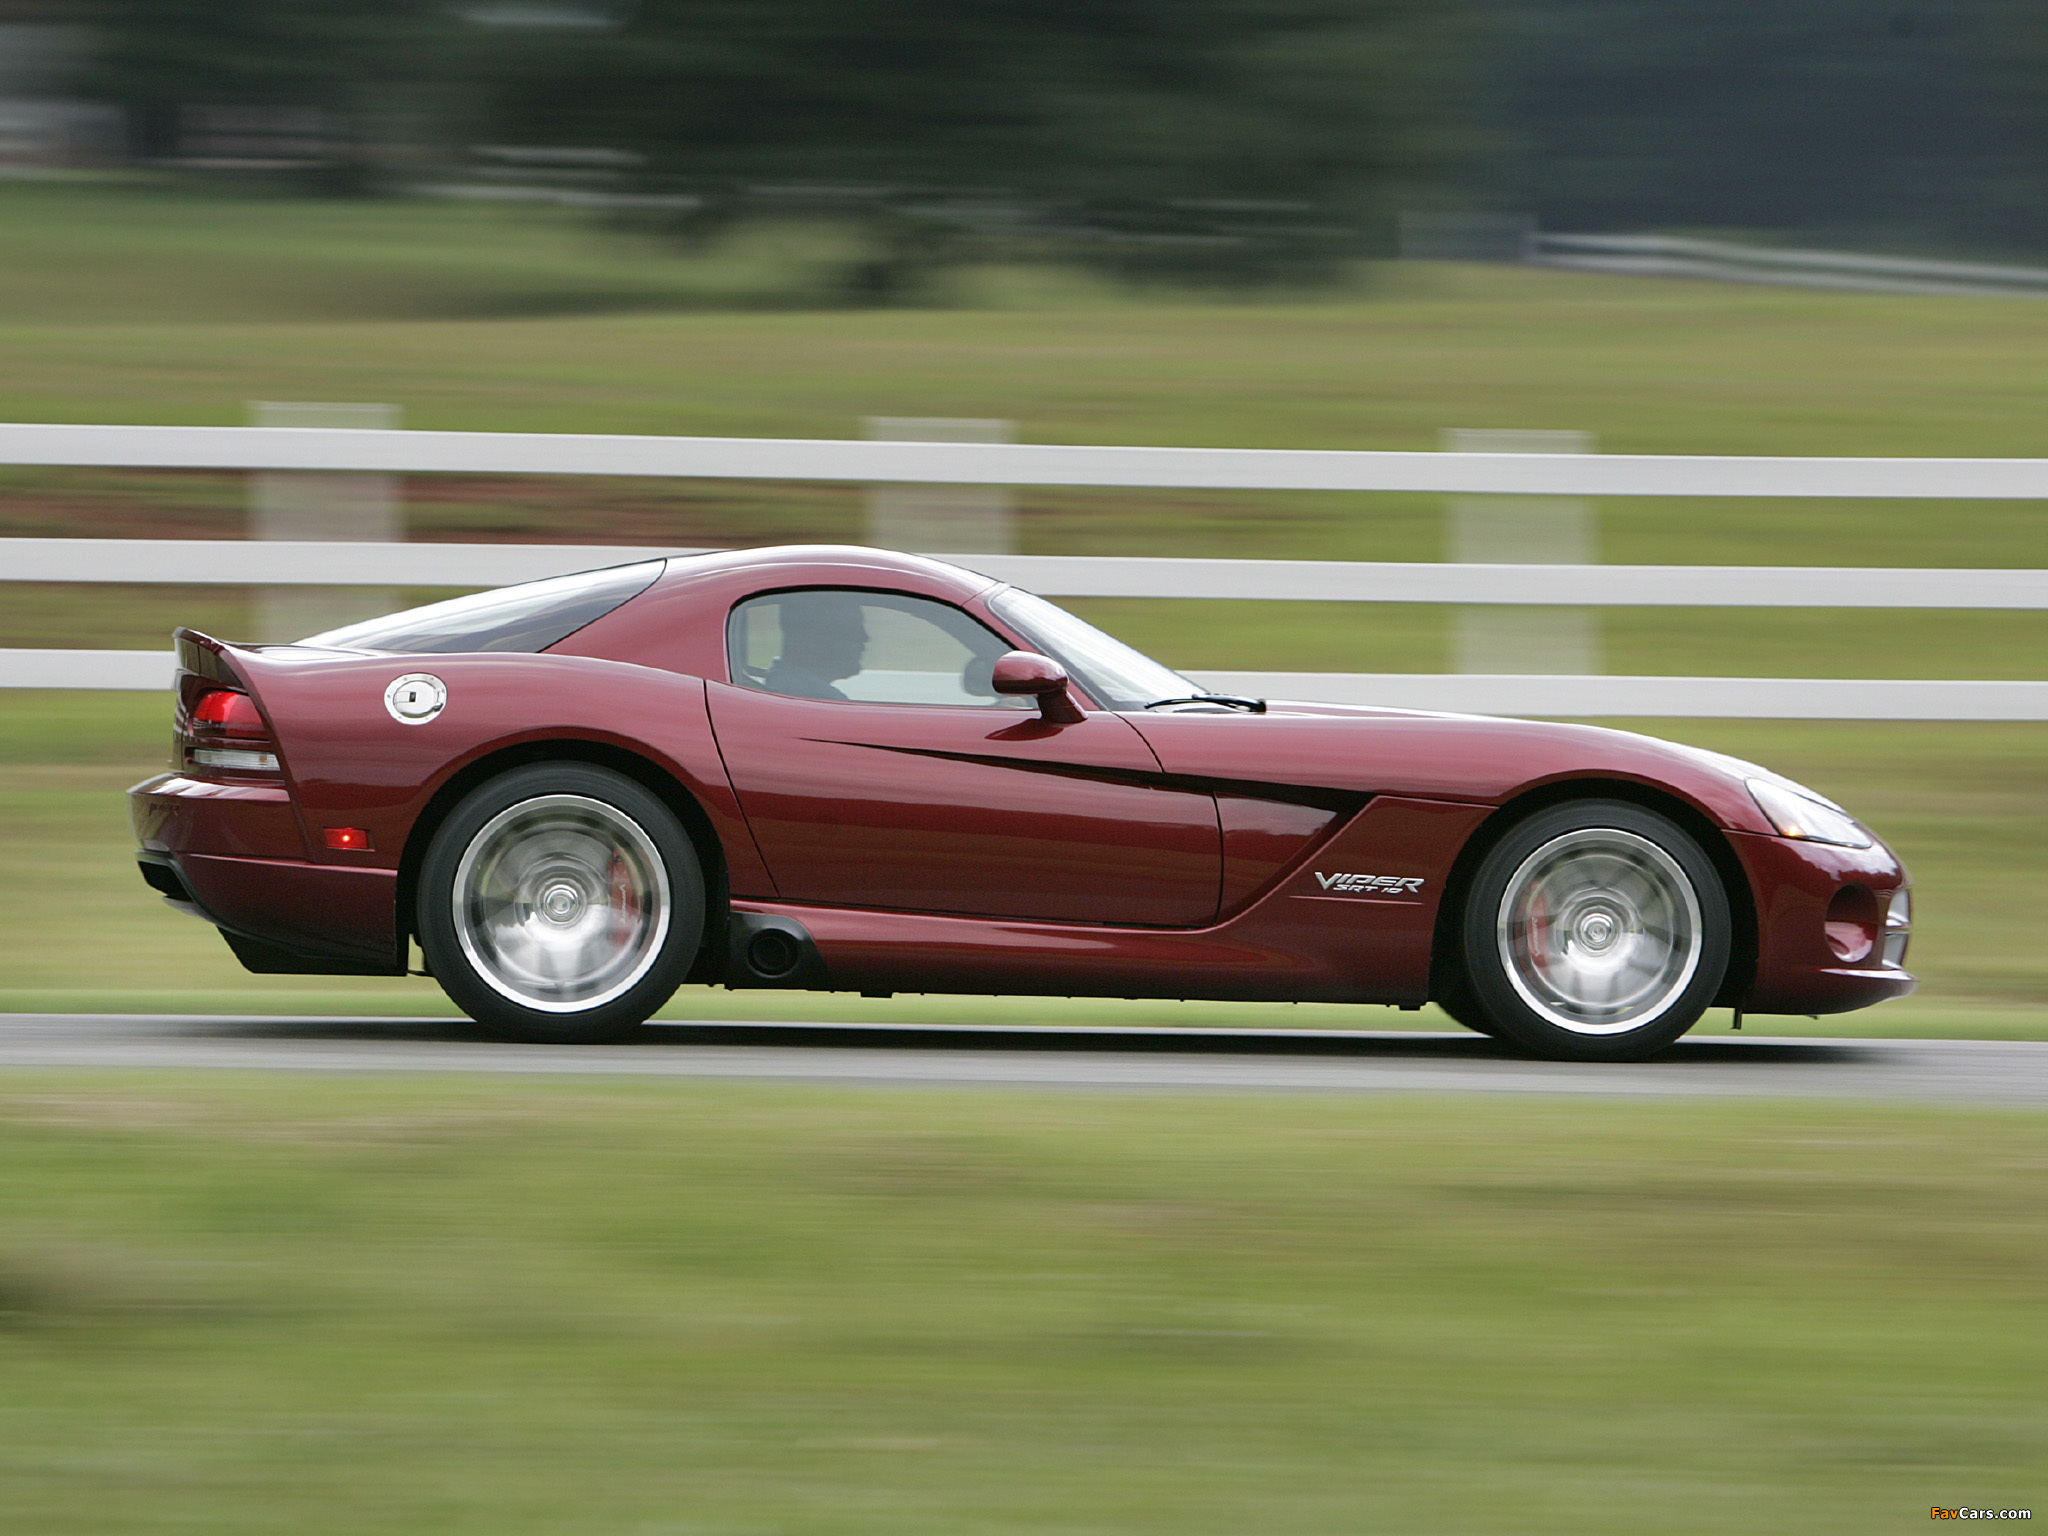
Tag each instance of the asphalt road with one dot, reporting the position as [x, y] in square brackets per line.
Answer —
[1946, 1071]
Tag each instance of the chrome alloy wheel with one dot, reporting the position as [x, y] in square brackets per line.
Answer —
[1599, 931]
[561, 903]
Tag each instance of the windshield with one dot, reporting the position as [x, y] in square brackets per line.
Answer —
[529, 617]
[1120, 677]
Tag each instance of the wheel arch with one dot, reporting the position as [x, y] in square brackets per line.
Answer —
[1713, 842]
[650, 775]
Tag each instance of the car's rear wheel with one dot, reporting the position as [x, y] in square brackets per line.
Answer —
[1595, 931]
[560, 902]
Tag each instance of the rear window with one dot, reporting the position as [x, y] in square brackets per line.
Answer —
[529, 617]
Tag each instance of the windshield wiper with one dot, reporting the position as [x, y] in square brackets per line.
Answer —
[1231, 700]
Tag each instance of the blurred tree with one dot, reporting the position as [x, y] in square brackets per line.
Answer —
[1895, 124]
[346, 61]
[1204, 132]
[1228, 137]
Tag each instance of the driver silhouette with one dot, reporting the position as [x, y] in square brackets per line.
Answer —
[824, 640]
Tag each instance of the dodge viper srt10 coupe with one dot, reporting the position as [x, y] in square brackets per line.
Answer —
[845, 769]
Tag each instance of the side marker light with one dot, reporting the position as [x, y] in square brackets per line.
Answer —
[354, 839]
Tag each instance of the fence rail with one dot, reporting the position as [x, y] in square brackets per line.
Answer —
[244, 562]
[1677, 698]
[1751, 698]
[283, 563]
[861, 462]
[1725, 261]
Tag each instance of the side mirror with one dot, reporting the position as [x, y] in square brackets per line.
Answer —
[1040, 676]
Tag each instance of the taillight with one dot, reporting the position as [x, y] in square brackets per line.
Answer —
[226, 731]
[228, 711]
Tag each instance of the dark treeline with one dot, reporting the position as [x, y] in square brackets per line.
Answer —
[1884, 123]
[1170, 131]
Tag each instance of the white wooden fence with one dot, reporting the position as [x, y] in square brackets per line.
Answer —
[863, 462]
[1725, 261]
[266, 563]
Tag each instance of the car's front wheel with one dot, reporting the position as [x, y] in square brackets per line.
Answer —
[1595, 931]
[560, 902]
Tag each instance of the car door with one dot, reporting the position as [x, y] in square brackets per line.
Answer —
[877, 767]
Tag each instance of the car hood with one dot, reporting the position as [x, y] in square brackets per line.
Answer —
[1483, 759]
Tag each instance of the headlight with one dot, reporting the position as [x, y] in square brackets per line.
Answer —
[1798, 813]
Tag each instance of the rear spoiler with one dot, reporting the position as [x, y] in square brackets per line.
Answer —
[203, 656]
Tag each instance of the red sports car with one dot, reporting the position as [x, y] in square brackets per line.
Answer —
[845, 769]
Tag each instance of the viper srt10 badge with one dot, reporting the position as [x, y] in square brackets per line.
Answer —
[1365, 885]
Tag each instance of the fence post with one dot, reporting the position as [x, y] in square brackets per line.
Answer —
[942, 519]
[327, 507]
[1522, 530]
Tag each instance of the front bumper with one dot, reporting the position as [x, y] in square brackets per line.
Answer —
[1797, 971]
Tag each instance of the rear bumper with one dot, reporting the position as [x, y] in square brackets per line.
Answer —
[175, 814]
[1796, 969]
[237, 858]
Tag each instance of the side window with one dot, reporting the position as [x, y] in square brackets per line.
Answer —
[866, 647]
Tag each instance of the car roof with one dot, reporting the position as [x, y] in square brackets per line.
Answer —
[678, 623]
[825, 564]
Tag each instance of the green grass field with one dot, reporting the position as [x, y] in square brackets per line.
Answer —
[450, 1304]
[138, 307]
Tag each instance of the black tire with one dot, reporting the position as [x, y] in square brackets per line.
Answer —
[560, 902]
[1455, 999]
[1597, 930]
